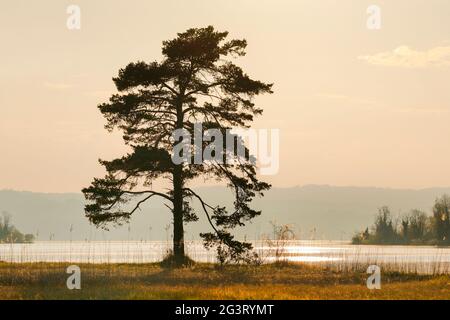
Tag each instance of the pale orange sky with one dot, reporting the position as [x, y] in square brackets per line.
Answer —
[354, 107]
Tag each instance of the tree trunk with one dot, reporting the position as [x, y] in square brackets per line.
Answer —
[178, 230]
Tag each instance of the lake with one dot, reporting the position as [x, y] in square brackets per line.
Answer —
[334, 254]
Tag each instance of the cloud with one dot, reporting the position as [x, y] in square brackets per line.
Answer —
[422, 110]
[58, 86]
[405, 57]
[101, 94]
[347, 99]
[383, 107]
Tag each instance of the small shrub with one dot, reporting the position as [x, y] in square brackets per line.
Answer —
[169, 261]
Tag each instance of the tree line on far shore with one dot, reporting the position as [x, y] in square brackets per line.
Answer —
[415, 227]
[10, 234]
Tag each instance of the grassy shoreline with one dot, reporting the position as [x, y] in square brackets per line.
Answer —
[207, 281]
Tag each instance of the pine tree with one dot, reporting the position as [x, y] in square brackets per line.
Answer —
[195, 82]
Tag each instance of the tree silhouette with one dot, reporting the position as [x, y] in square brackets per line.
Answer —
[195, 82]
[441, 214]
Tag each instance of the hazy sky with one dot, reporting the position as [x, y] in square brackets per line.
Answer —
[354, 106]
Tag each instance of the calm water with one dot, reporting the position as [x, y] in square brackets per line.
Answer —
[337, 254]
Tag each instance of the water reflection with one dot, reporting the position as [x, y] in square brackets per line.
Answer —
[333, 254]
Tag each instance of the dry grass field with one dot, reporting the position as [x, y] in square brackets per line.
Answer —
[207, 281]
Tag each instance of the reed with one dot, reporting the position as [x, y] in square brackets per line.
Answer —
[340, 257]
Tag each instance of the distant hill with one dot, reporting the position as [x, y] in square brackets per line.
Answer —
[333, 212]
